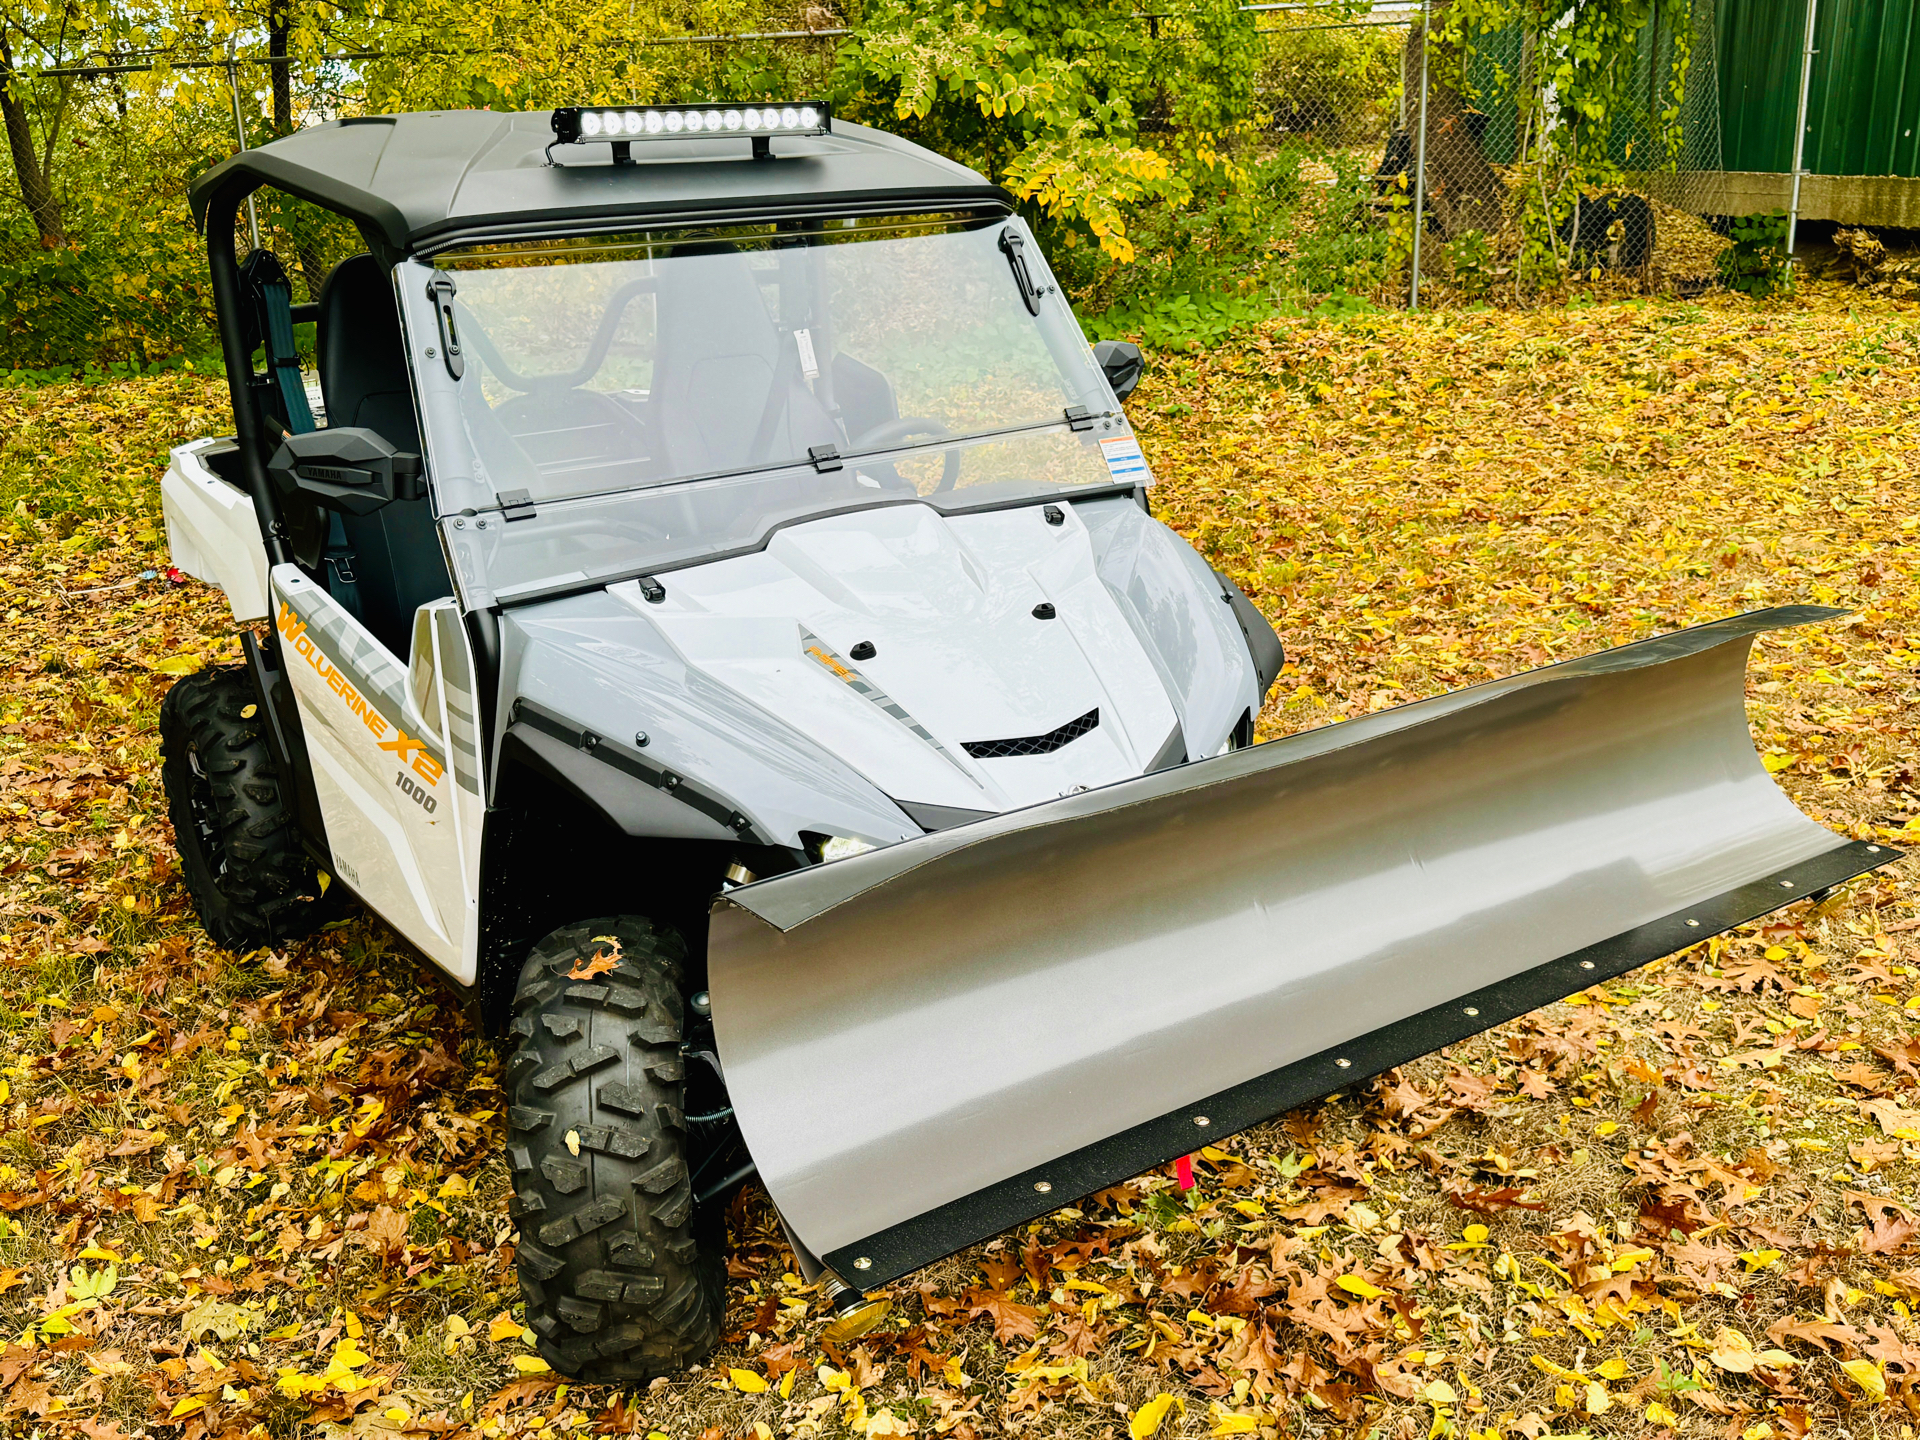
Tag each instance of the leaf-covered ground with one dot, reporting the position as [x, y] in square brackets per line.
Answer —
[264, 1194]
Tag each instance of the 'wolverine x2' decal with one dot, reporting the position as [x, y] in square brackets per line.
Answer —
[367, 681]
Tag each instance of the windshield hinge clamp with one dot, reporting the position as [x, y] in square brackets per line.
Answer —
[825, 458]
[516, 505]
[1079, 418]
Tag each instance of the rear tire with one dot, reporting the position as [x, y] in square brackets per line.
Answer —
[251, 881]
[622, 1280]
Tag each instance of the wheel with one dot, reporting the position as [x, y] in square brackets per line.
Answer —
[623, 1279]
[251, 882]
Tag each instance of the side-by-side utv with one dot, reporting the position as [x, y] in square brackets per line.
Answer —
[711, 608]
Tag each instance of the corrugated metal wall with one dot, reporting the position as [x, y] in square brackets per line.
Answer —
[1862, 95]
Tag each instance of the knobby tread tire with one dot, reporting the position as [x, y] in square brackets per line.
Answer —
[618, 1285]
[240, 854]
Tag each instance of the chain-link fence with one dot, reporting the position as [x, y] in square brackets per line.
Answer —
[1400, 160]
[1452, 134]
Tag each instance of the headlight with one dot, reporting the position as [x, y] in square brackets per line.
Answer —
[839, 848]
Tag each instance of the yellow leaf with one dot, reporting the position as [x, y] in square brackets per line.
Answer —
[1146, 1421]
[1560, 1372]
[1354, 1285]
[530, 1365]
[502, 1328]
[1439, 1393]
[1868, 1377]
[455, 1185]
[179, 665]
[187, 1405]
[1612, 1369]
[1475, 1235]
[787, 1382]
[1659, 1415]
[751, 1382]
[1598, 1399]
[1732, 1352]
[1607, 1128]
[1759, 1260]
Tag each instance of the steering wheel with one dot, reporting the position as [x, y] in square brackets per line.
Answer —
[888, 432]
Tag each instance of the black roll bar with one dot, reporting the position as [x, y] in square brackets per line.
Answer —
[223, 212]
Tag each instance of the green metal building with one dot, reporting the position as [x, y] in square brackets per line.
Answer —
[1858, 157]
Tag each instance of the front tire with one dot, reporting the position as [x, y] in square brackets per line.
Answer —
[240, 854]
[621, 1280]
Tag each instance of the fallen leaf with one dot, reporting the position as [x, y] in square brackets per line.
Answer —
[598, 965]
[1868, 1377]
[1146, 1422]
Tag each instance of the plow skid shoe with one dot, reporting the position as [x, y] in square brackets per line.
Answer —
[932, 1042]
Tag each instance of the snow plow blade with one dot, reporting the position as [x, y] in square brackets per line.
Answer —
[930, 1043]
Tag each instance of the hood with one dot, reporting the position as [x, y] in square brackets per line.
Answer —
[970, 663]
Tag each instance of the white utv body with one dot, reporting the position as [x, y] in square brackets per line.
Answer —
[719, 623]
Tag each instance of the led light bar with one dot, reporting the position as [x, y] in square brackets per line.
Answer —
[580, 124]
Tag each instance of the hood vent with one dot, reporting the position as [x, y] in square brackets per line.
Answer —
[1034, 745]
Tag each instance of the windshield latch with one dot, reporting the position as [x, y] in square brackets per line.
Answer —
[440, 294]
[1079, 417]
[1014, 248]
[825, 458]
[516, 505]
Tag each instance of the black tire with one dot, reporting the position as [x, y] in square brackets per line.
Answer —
[621, 1279]
[251, 882]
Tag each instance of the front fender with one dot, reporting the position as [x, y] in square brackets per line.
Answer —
[584, 679]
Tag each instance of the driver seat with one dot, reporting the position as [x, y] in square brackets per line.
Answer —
[397, 557]
[717, 354]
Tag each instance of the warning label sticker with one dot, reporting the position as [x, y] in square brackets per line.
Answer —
[1125, 461]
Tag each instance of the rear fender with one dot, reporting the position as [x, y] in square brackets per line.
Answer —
[213, 533]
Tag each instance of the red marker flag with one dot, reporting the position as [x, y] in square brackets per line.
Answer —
[1184, 1172]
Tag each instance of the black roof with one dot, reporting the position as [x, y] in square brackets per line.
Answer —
[428, 181]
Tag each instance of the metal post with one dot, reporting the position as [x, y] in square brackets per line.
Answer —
[1801, 127]
[240, 134]
[1420, 171]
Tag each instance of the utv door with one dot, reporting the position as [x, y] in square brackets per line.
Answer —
[394, 762]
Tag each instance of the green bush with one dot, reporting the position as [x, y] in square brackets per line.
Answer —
[1756, 259]
[1342, 87]
[1349, 248]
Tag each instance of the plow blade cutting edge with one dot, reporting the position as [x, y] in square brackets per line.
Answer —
[935, 1041]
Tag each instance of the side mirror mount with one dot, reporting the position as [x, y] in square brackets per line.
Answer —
[1121, 362]
[345, 468]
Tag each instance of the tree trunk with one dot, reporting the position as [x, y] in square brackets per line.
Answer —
[1462, 190]
[36, 188]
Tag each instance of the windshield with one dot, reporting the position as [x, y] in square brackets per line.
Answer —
[670, 395]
